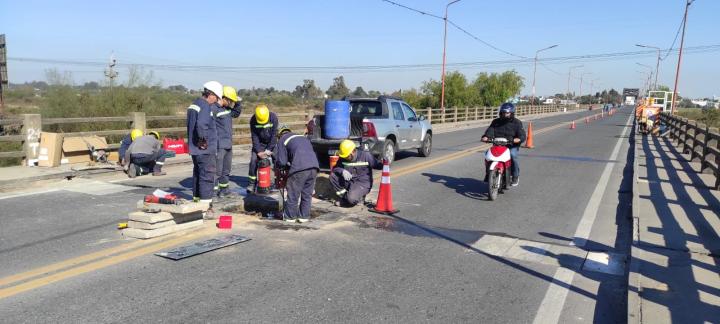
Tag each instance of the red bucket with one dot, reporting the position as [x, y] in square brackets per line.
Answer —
[225, 222]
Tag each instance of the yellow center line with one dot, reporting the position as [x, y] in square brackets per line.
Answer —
[93, 266]
[111, 256]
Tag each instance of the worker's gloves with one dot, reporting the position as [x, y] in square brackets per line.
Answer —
[202, 144]
[347, 175]
[268, 152]
[264, 154]
[516, 140]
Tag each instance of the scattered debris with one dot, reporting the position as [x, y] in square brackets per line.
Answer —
[202, 247]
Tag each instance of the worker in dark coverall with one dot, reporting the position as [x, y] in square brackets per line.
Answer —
[511, 128]
[202, 140]
[353, 179]
[125, 143]
[227, 109]
[263, 131]
[295, 153]
[144, 154]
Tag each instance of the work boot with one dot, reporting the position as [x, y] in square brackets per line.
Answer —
[223, 192]
[515, 181]
[159, 173]
[251, 186]
[132, 171]
[301, 219]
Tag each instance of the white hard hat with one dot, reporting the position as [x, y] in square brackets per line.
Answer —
[215, 87]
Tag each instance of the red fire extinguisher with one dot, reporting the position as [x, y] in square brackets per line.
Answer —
[264, 176]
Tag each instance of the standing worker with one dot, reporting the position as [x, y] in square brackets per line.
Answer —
[263, 130]
[227, 109]
[353, 180]
[145, 154]
[125, 143]
[202, 139]
[294, 153]
[507, 126]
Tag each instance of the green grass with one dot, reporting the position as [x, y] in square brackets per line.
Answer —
[709, 117]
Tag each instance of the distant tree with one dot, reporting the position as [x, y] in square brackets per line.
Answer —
[178, 88]
[338, 89]
[92, 85]
[308, 90]
[663, 88]
[374, 93]
[359, 92]
[494, 89]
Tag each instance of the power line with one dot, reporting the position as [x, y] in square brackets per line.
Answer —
[373, 68]
[457, 27]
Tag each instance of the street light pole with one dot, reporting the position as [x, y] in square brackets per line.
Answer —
[535, 70]
[442, 92]
[569, 74]
[657, 63]
[581, 81]
[677, 72]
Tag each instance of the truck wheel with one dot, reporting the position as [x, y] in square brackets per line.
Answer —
[426, 147]
[389, 151]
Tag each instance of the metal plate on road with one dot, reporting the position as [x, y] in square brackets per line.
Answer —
[202, 247]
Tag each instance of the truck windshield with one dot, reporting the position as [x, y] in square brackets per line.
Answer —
[366, 108]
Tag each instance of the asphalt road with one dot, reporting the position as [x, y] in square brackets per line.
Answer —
[63, 260]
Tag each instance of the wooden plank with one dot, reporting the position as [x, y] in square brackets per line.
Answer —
[98, 133]
[12, 138]
[52, 121]
[12, 154]
[146, 234]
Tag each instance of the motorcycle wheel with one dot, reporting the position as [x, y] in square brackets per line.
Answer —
[494, 185]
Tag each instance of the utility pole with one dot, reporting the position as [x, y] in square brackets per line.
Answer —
[111, 74]
[3, 73]
[442, 92]
[569, 74]
[677, 72]
[535, 70]
[581, 81]
[657, 63]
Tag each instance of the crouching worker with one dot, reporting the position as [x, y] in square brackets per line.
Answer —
[144, 154]
[353, 179]
[295, 153]
[126, 142]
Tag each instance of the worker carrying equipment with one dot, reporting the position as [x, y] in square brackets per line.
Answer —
[263, 131]
[202, 140]
[225, 111]
[353, 178]
[144, 154]
[295, 154]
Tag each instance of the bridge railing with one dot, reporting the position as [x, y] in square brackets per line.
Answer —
[25, 130]
[698, 140]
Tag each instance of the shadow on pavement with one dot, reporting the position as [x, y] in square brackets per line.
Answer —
[468, 187]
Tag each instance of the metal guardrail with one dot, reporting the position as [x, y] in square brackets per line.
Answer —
[31, 125]
[698, 140]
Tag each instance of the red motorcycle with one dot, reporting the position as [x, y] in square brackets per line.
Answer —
[497, 164]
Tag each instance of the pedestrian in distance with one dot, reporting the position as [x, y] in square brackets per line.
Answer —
[225, 111]
[353, 179]
[295, 154]
[263, 131]
[507, 126]
[125, 143]
[145, 154]
[202, 140]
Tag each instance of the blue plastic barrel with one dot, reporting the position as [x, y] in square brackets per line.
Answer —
[337, 119]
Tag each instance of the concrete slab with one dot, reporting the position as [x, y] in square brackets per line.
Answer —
[185, 208]
[146, 234]
[150, 226]
[152, 218]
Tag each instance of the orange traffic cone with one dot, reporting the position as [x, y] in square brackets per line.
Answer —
[384, 201]
[572, 126]
[529, 140]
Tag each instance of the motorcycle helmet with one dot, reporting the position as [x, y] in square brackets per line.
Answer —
[505, 108]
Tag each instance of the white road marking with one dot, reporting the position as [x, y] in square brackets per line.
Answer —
[610, 263]
[554, 301]
[23, 194]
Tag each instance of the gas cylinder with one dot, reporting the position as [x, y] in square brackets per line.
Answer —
[264, 176]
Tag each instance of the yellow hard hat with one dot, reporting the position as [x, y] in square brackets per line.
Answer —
[283, 129]
[346, 148]
[230, 93]
[156, 134]
[262, 114]
[135, 133]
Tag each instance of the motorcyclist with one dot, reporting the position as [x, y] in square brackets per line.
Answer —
[507, 126]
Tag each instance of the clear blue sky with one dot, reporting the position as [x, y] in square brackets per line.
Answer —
[359, 32]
